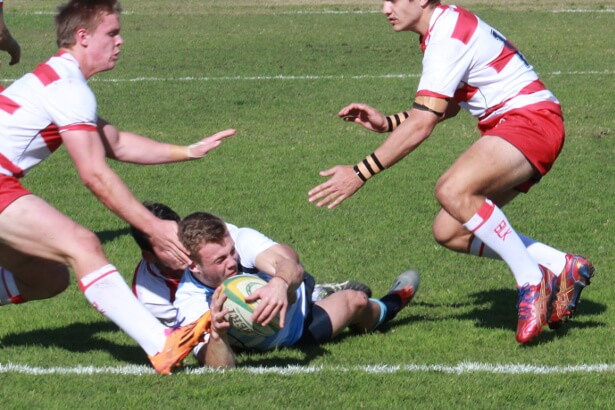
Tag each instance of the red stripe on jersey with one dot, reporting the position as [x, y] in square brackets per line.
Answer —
[531, 88]
[46, 74]
[78, 127]
[465, 93]
[427, 93]
[502, 60]
[9, 166]
[466, 25]
[8, 105]
[51, 136]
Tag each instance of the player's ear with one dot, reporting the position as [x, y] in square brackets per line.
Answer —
[194, 268]
[82, 37]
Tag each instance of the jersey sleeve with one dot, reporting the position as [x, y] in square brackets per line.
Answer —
[71, 105]
[249, 244]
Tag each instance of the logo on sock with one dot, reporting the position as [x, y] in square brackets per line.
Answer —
[502, 230]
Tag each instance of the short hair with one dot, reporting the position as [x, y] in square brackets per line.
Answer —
[201, 228]
[78, 14]
[160, 211]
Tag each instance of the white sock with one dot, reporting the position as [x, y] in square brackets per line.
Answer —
[8, 288]
[107, 291]
[490, 225]
[552, 258]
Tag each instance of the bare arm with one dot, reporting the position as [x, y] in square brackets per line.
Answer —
[344, 180]
[217, 353]
[88, 155]
[128, 146]
[281, 262]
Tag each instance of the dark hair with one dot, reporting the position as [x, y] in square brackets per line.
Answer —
[160, 211]
[200, 228]
[78, 14]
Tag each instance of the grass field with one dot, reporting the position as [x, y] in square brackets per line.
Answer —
[279, 71]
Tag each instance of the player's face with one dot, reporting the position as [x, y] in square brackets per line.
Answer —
[104, 43]
[404, 15]
[218, 262]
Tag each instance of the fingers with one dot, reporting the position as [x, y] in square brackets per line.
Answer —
[201, 148]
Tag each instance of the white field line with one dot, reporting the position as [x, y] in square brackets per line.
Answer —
[308, 12]
[301, 77]
[461, 368]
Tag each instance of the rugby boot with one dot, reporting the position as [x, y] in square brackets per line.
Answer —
[567, 288]
[180, 343]
[405, 286]
[322, 290]
[532, 306]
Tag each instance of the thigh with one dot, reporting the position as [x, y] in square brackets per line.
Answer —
[32, 227]
[490, 167]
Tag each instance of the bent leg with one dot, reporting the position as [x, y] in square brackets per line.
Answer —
[491, 167]
[32, 278]
[32, 229]
[350, 308]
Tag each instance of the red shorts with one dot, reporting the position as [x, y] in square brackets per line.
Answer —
[10, 190]
[536, 130]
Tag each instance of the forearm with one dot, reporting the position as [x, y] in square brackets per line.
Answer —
[291, 272]
[217, 354]
[138, 149]
[115, 195]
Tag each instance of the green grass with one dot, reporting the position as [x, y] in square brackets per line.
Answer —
[209, 66]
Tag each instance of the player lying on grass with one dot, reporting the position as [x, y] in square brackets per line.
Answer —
[468, 64]
[220, 250]
[155, 283]
[54, 105]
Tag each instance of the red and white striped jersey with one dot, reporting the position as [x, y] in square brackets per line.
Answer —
[155, 291]
[471, 62]
[38, 107]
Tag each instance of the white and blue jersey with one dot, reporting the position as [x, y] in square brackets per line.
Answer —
[193, 298]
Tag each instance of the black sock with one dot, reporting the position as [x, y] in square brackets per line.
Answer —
[393, 304]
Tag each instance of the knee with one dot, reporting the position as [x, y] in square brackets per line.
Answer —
[87, 243]
[447, 193]
[356, 300]
[441, 236]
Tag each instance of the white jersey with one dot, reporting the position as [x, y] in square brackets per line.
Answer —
[193, 297]
[38, 107]
[471, 62]
[156, 292]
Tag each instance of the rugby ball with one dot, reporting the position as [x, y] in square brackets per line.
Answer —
[236, 289]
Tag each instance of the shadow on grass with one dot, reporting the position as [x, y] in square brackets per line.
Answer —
[264, 359]
[78, 338]
[496, 309]
[109, 236]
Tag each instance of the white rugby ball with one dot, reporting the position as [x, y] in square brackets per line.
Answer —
[236, 289]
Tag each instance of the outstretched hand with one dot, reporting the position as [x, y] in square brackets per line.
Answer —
[364, 115]
[343, 183]
[201, 148]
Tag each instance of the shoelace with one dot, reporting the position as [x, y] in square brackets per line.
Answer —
[525, 302]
